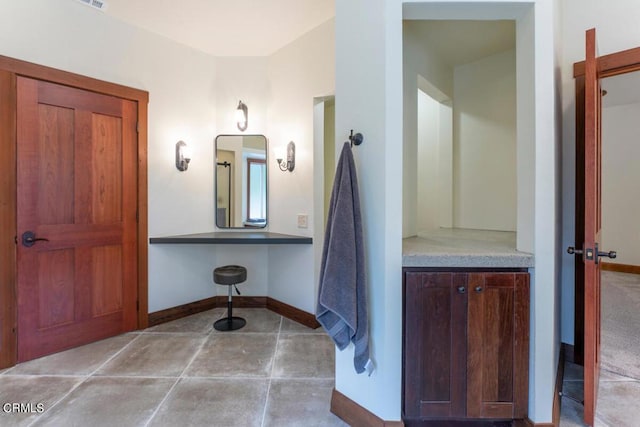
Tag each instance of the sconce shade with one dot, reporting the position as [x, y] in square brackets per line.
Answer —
[279, 153]
[182, 157]
[242, 116]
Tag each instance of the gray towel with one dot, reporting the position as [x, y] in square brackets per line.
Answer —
[342, 298]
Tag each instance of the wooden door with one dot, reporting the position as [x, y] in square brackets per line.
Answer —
[498, 345]
[77, 191]
[592, 225]
[587, 218]
[435, 345]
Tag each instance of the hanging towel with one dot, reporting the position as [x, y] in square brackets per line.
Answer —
[342, 298]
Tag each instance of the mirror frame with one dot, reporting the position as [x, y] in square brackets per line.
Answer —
[215, 181]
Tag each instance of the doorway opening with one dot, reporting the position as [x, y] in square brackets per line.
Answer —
[620, 232]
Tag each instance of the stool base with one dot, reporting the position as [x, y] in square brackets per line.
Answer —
[229, 324]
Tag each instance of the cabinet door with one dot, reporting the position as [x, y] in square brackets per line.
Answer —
[435, 345]
[498, 343]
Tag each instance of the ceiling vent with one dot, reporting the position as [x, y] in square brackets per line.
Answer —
[96, 4]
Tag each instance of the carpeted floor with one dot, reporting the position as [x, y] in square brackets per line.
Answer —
[621, 323]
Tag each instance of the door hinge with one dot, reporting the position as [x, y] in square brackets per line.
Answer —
[138, 127]
[137, 216]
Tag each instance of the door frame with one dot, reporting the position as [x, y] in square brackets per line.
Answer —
[10, 68]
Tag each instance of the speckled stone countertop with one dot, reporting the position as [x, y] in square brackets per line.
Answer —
[464, 248]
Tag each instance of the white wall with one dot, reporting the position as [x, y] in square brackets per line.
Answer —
[428, 161]
[182, 106]
[329, 142]
[434, 164]
[484, 138]
[620, 178]
[193, 97]
[298, 73]
[377, 78]
[422, 68]
[617, 30]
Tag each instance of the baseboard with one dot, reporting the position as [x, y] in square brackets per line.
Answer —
[243, 301]
[285, 310]
[620, 268]
[290, 312]
[355, 415]
[528, 423]
[175, 313]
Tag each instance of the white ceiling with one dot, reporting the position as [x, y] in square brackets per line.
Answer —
[461, 42]
[226, 27]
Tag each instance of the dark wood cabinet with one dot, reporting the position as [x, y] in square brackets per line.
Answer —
[465, 344]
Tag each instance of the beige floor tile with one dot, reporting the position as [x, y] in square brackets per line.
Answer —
[304, 356]
[235, 355]
[109, 402]
[155, 355]
[214, 402]
[38, 393]
[196, 323]
[213, 378]
[258, 320]
[300, 402]
[291, 327]
[77, 361]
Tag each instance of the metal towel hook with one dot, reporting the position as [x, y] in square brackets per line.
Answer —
[356, 139]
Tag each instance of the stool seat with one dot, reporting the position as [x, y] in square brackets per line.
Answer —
[230, 275]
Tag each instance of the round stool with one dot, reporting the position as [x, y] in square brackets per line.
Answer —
[230, 275]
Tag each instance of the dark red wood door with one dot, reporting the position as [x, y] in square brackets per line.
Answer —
[592, 226]
[498, 345]
[76, 154]
[435, 345]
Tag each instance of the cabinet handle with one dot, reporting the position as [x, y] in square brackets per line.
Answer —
[478, 289]
[462, 289]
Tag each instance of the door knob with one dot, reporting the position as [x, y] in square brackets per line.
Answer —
[29, 239]
[610, 254]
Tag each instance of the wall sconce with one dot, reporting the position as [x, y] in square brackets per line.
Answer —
[242, 116]
[183, 157]
[289, 163]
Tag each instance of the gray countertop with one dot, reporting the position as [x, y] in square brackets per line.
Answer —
[464, 248]
[234, 238]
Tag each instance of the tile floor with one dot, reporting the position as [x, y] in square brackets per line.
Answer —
[618, 399]
[273, 372]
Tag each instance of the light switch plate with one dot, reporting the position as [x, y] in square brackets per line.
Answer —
[303, 220]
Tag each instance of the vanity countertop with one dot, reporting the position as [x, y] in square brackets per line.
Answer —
[464, 248]
[234, 238]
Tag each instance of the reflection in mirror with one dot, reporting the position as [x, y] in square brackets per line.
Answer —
[241, 181]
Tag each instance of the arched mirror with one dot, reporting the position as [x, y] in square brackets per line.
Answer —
[241, 181]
